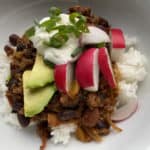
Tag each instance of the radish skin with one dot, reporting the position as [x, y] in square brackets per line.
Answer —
[63, 75]
[106, 67]
[125, 111]
[87, 70]
[118, 43]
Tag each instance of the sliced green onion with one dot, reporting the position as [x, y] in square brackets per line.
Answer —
[73, 17]
[65, 28]
[79, 21]
[57, 41]
[77, 51]
[82, 27]
[77, 27]
[30, 32]
[49, 25]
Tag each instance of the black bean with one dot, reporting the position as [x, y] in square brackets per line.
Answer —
[103, 22]
[20, 47]
[90, 117]
[30, 44]
[24, 122]
[13, 39]
[67, 115]
[12, 82]
[86, 11]
[103, 96]
[33, 50]
[17, 105]
[106, 29]
[15, 69]
[9, 51]
[102, 124]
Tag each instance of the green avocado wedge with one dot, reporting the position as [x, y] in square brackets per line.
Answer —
[41, 74]
[35, 100]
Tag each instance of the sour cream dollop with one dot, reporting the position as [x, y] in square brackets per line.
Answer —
[55, 55]
[62, 55]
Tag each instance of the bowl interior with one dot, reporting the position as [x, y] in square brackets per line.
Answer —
[133, 18]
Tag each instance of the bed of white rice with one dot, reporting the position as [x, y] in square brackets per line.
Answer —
[131, 64]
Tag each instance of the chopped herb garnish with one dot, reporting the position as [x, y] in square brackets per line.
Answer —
[30, 32]
[57, 41]
[79, 21]
[77, 27]
[77, 51]
[49, 25]
[65, 28]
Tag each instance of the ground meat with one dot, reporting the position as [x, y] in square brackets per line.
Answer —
[43, 116]
[9, 97]
[19, 63]
[24, 43]
[92, 19]
[86, 11]
[54, 105]
[68, 115]
[29, 54]
[53, 120]
[93, 100]
[68, 102]
[90, 117]
[104, 131]
[93, 133]
[82, 136]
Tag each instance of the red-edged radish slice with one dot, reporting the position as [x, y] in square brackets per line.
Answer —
[106, 67]
[95, 35]
[118, 43]
[63, 75]
[125, 111]
[87, 70]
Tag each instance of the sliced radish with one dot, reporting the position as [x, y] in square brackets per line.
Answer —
[87, 70]
[125, 111]
[95, 35]
[106, 67]
[118, 43]
[63, 75]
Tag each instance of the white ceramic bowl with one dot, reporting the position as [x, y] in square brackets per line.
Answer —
[130, 15]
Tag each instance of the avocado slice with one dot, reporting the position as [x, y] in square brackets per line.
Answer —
[41, 74]
[35, 99]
